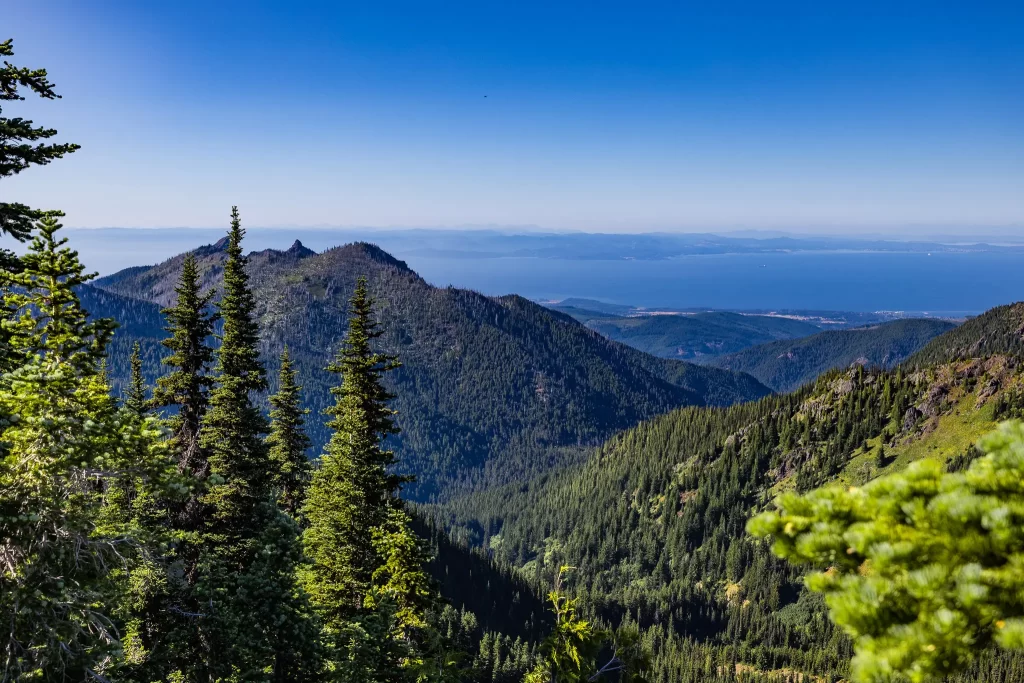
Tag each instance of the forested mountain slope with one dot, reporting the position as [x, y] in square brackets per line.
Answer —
[692, 336]
[137, 320]
[999, 330]
[655, 519]
[491, 389]
[787, 365]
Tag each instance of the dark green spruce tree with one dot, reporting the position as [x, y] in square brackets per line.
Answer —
[365, 573]
[23, 145]
[185, 390]
[258, 625]
[135, 399]
[287, 441]
[166, 619]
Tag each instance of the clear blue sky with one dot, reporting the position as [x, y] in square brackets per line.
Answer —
[622, 116]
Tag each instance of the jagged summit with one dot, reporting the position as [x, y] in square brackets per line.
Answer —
[300, 250]
[218, 247]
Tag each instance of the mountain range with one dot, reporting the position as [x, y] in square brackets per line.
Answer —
[783, 351]
[492, 389]
[539, 442]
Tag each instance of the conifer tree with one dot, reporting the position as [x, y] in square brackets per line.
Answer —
[233, 427]
[23, 145]
[169, 616]
[135, 399]
[924, 567]
[287, 440]
[257, 626]
[63, 443]
[365, 574]
[349, 492]
[186, 387]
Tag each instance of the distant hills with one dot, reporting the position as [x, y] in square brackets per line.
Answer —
[788, 365]
[784, 350]
[491, 389]
[691, 336]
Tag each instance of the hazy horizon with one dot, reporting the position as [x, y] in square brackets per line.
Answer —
[911, 233]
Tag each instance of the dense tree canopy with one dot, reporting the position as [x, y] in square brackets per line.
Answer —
[923, 568]
[185, 538]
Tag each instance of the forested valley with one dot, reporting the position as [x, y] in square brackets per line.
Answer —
[291, 466]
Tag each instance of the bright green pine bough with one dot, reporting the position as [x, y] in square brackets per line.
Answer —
[924, 569]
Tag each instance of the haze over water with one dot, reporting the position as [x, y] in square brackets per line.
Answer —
[944, 282]
[952, 282]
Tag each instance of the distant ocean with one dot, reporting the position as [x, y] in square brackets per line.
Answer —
[945, 282]
[952, 283]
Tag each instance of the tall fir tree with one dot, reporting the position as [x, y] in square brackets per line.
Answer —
[365, 573]
[350, 490]
[169, 616]
[234, 426]
[288, 442]
[63, 444]
[258, 625]
[23, 145]
[135, 400]
[185, 389]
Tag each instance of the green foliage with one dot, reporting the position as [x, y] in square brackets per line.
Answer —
[287, 441]
[491, 390]
[996, 331]
[655, 519]
[570, 653]
[923, 567]
[164, 612]
[788, 365]
[67, 452]
[350, 492]
[257, 623]
[23, 145]
[366, 574]
[135, 399]
[186, 387]
[241, 473]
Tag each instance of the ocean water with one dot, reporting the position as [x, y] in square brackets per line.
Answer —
[851, 281]
[943, 282]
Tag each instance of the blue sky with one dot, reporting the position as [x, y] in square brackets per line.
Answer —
[603, 116]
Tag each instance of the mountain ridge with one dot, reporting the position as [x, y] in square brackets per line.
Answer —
[491, 388]
[654, 518]
[786, 365]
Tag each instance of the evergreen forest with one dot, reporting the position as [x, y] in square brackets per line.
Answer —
[297, 466]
